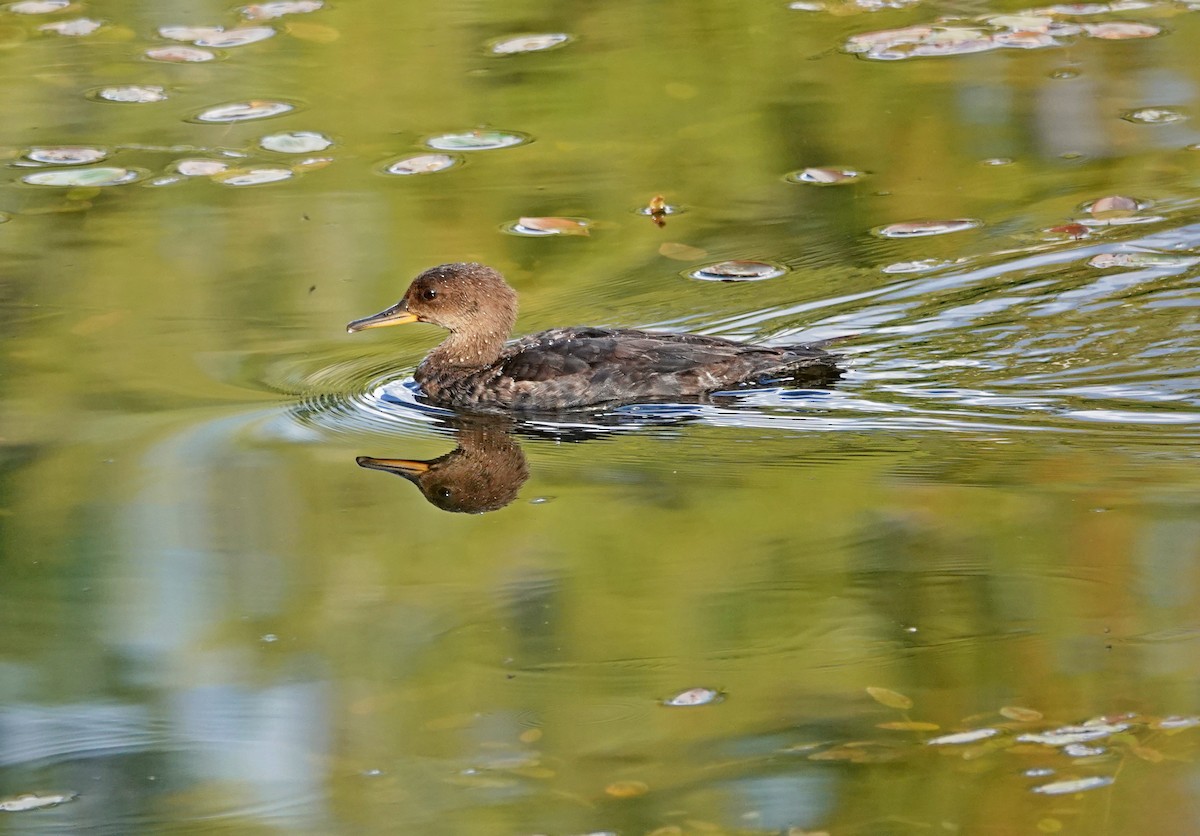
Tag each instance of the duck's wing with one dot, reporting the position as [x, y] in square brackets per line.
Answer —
[602, 352]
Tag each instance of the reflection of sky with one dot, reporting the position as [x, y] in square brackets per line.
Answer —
[193, 564]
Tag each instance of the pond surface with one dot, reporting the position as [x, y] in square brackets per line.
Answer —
[956, 592]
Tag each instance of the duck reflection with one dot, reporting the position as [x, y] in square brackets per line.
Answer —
[484, 473]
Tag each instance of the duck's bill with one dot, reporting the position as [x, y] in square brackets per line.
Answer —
[396, 315]
[408, 468]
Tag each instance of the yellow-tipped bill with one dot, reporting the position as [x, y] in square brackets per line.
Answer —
[395, 315]
[408, 468]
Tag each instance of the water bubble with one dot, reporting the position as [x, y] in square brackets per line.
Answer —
[478, 140]
[253, 176]
[236, 37]
[93, 177]
[693, 697]
[38, 7]
[737, 271]
[919, 229]
[1153, 116]
[536, 227]
[423, 164]
[244, 111]
[129, 94]
[528, 43]
[180, 54]
[296, 142]
[77, 28]
[66, 154]
[267, 11]
[200, 167]
[824, 176]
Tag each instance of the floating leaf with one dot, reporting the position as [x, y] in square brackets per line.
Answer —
[77, 28]
[85, 177]
[130, 94]
[236, 37]
[1153, 116]
[1071, 230]
[550, 226]
[1176, 723]
[738, 271]
[962, 737]
[1079, 785]
[67, 154]
[35, 801]
[296, 142]
[180, 54]
[38, 7]
[1143, 259]
[908, 725]
[423, 164]
[528, 43]
[530, 736]
[253, 176]
[1121, 30]
[892, 699]
[1021, 715]
[242, 111]
[627, 789]
[1112, 203]
[269, 11]
[189, 34]
[693, 697]
[918, 229]
[477, 140]
[1073, 734]
[681, 252]
[1080, 750]
[824, 176]
[200, 168]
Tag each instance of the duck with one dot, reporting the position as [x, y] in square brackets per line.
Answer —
[476, 368]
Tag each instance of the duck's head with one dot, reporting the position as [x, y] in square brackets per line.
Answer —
[461, 297]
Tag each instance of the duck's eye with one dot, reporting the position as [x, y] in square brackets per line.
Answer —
[429, 294]
[444, 493]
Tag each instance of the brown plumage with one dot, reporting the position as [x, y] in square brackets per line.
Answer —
[570, 368]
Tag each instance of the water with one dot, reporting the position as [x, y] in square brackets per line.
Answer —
[956, 592]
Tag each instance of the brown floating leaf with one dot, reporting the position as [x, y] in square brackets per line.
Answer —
[657, 205]
[909, 725]
[1022, 715]
[627, 789]
[682, 252]
[891, 699]
[556, 226]
[1072, 230]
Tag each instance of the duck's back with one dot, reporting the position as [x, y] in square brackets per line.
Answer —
[569, 368]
